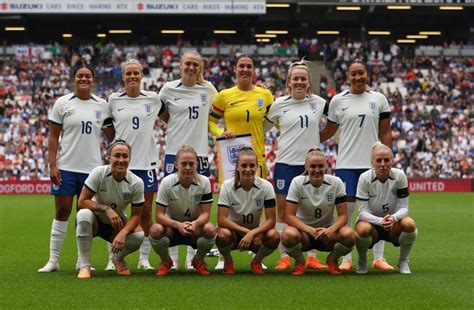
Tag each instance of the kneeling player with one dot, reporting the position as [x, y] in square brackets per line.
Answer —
[182, 213]
[107, 192]
[311, 201]
[241, 202]
[382, 193]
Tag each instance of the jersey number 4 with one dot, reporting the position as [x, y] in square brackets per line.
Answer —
[187, 214]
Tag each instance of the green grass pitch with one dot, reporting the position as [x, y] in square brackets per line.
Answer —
[441, 263]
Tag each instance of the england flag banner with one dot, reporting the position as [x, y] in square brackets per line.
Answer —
[228, 149]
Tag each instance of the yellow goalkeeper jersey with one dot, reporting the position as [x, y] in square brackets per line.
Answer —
[243, 113]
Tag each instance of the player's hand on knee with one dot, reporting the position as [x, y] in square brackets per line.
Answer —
[388, 222]
[118, 242]
[246, 241]
[183, 230]
[257, 241]
[320, 233]
[115, 219]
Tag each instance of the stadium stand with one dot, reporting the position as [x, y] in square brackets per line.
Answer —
[430, 90]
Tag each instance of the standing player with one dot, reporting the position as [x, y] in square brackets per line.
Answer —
[187, 102]
[106, 194]
[75, 123]
[134, 112]
[241, 202]
[312, 199]
[382, 193]
[243, 107]
[182, 213]
[364, 118]
[297, 116]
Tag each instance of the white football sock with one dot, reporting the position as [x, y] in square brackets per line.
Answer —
[262, 253]
[350, 211]
[174, 253]
[225, 252]
[362, 246]
[312, 253]
[109, 249]
[85, 220]
[204, 245]
[378, 249]
[280, 227]
[338, 250]
[58, 233]
[406, 241]
[132, 243]
[192, 252]
[145, 249]
[296, 253]
[161, 247]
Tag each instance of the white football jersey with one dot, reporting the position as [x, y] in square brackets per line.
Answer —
[117, 195]
[382, 198]
[134, 120]
[183, 204]
[245, 208]
[298, 122]
[358, 117]
[188, 108]
[81, 121]
[316, 205]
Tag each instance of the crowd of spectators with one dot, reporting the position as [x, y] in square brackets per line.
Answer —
[431, 119]
[431, 104]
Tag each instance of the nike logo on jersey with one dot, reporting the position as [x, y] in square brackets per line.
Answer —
[343, 109]
[233, 103]
[176, 99]
[173, 199]
[102, 190]
[304, 198]
[120, 109]
[235, 204]
[372, 196]
[149, 185]
[284, 111]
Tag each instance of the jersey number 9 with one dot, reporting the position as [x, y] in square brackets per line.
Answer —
[135, 122]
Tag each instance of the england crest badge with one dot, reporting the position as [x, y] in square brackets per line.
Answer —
[280, 183]
[169, 168]
[233, 152]
[126, 196]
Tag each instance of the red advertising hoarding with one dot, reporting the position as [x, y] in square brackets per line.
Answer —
[414, 185]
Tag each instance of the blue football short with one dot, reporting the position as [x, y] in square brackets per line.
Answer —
[71, 183]
[283, 176]
[149, 179]
[350, 177]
